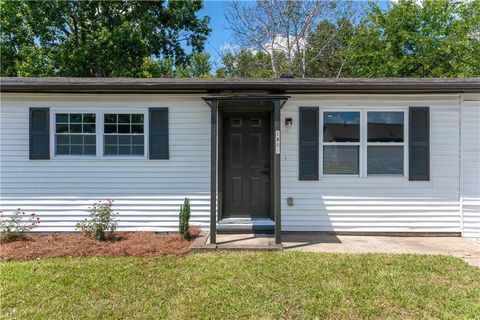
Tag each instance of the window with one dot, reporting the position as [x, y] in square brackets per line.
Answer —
[385, 145]
[364, 143]
[341, 142]
[75, 134]
[124, 134]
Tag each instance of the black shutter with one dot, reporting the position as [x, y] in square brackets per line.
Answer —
[308, 139]
[39, 133]
[158, 133]
[419, 144]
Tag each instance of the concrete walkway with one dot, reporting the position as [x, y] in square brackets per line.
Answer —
[467, 249]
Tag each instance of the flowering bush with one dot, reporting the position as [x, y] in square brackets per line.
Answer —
[102, 222]
[13, 228]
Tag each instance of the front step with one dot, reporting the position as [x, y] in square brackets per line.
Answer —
[243, 225]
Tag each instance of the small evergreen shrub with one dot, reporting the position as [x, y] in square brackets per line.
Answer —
[185, 219]
[15, 227]
[102, 224]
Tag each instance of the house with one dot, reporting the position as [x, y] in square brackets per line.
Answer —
[287, 155]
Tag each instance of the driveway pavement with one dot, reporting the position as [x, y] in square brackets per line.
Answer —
[467, 249]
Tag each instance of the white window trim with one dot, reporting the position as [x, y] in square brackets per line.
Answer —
[145, 135]
[404, 144]
[322, 144]
[99, 129]
[53, 130]
[363, 144]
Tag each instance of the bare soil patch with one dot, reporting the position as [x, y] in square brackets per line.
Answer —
[139, 244]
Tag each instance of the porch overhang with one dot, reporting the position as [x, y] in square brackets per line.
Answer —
[214, 102]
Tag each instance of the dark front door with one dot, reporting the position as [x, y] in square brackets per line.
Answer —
[246, 164]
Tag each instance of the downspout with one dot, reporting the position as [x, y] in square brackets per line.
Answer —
[460, 167]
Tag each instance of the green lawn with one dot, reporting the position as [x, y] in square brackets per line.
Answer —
[242, 285]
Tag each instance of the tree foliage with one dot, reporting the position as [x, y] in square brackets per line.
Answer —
[128, 38]
[328, 54]
[432, 38]
[437, 38]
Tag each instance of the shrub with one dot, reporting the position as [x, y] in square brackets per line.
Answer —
[185, 219]
[13, 228]
[102, 222]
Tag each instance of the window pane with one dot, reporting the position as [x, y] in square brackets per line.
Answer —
[76, 149]
[124, 150]
[385, 160]
[89, 139]
[137, 118]
[137, 139]
[76, 118]
[123, 118]
[111, 139]
[124, 140]
[110, 128]
[90, 149]
[76, 139]
[124, 143]
[63, 139]
[62, 128]
[89, 117]
[75, 128]
[88, 128]
[75, 144]
[340, 160]
[62, 118]
[385, 126]
[137, 128]
[341, 126]
[123, 128]
[109, 150]
[137, 150]
[62, 149]
[110, 118]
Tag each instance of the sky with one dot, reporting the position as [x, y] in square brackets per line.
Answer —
[221, 35]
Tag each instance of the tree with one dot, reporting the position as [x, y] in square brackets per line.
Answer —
[280, 29]
[246, 64]
[328, 48]
[435, 38]
[99, 38]
[199, 67]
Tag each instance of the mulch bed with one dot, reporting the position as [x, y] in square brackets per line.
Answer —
[139, 244]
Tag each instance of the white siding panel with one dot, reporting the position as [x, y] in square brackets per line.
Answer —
[147, 194]
[376, 204]
[471, 168]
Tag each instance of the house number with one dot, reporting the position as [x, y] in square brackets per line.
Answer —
[277, 141]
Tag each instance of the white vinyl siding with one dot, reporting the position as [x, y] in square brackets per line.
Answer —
[471, 166]
[147, 193]
[375, 203]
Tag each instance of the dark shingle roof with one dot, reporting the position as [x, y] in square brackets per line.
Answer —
[277, 85]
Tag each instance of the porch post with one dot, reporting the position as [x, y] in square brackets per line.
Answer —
[276, 179]
[213, 173]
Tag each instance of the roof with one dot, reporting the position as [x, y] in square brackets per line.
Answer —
[274, 85]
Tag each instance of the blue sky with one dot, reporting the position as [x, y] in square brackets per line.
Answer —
[221, 34]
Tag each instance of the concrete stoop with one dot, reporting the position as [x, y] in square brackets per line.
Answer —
[235, 243]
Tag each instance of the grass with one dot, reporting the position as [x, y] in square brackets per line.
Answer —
[242, 285]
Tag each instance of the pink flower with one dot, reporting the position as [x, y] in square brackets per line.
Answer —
[33, 214]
